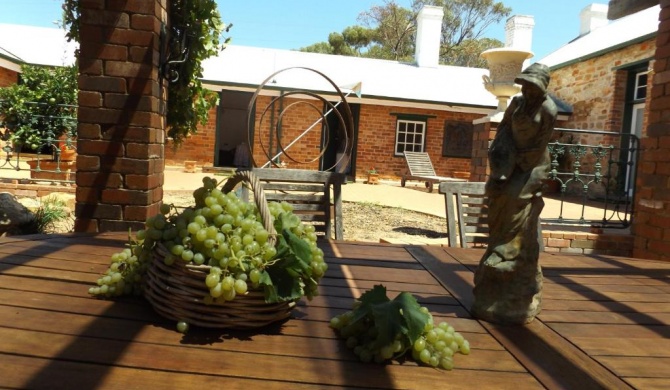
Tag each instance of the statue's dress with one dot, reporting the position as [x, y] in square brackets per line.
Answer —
[519, 162]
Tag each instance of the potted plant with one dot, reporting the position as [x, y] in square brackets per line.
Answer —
[67, 150]
[373, 176]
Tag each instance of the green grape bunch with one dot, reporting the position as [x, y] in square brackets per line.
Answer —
[225, 234]
[379, 329]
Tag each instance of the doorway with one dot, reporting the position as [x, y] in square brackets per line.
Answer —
[331, 160]
[231, 149]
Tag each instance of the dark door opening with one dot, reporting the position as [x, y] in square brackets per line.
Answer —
[231, 147]
[336, 141]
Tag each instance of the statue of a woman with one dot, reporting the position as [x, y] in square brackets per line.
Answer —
[508, 281]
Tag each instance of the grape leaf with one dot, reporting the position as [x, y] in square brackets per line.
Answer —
[389, 322]
[368, 300]
[401, 316]
[415, 319]
[285, 279]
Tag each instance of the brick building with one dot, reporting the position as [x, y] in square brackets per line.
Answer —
[419, 106]
[603, 73]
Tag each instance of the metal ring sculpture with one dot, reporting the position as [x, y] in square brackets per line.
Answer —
[346, 123]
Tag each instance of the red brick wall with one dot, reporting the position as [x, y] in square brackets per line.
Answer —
[376, 141]
[651, 221]
[595, 91]
[197, 147]
[8, 77]
[297, 118]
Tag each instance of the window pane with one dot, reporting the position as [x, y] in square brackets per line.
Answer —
[641, 86]
[410, 136]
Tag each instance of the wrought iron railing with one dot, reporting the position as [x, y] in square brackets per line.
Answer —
[596, 171]
[45, 158]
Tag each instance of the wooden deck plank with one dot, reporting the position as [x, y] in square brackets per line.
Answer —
[621, 346]
[613, 306]
[45, 273]
[594, 280]
[365, 252]
[570, 330]
[638, 366]
[602, 317]
[39, 373]
[649, 383]
[236, 364]
[552, 287]
[611, 296]
[379, 274]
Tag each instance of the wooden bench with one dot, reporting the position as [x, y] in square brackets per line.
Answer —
[316, 196]
[420, 167]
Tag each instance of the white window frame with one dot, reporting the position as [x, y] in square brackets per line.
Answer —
[414, 124]
[640, 86]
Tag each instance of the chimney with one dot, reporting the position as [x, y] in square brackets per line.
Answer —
[592, 17]
[428, 32]
[519, 32]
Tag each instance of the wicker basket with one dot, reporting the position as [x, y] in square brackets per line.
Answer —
[177, 291]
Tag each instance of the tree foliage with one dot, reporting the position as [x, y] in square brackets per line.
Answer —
[41, 107]
[389, 31]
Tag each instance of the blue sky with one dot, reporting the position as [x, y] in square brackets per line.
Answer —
[291, 24]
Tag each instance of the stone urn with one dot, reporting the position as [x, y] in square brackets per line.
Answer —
[504, 65]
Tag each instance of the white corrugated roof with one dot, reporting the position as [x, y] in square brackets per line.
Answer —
[250, 66]
[449, 85]
[36, 45]
[613, 34]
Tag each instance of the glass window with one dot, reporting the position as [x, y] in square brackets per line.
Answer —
[640, 86]
[409, 136]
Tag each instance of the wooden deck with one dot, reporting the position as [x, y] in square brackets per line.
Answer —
[604, 325]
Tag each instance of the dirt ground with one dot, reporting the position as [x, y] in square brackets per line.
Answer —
[366, 222]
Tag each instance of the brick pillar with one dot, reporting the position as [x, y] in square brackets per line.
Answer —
[120, 144]
[483, 134]
[651, 222]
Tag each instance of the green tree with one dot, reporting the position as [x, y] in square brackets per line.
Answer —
[41, 107]
[392, 29]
